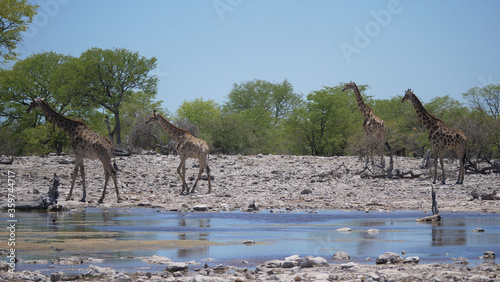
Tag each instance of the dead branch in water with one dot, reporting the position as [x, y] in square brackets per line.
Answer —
[435, 212]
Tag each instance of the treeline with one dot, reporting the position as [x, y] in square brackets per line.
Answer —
[114, 91]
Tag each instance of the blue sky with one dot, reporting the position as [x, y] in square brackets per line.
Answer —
[203, 47]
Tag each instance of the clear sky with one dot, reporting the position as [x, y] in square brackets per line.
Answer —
[203, 47]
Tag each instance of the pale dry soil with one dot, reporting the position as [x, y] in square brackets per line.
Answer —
[286, 183]
[274, 182]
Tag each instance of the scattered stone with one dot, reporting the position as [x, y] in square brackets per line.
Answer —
[100, 271]
[460, 260]
[489, 255]
[250, 206]
[220, 268]
[372, 277]
[121, 277]
[4, 266]
[432, 218]
[487, 267]
[306, 262]
[68, 261]
[319, 261]
[389, 258]
[341, 255]
[176, 266]
[201, 208]
[57, 276]
[348, 265]
[306, 192]
[414, 260]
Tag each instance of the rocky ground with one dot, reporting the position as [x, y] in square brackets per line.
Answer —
[270, 182]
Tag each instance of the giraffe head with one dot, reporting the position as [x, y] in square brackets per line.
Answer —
[35, 104]
[349, 86]
[408, 95]
[154, 117]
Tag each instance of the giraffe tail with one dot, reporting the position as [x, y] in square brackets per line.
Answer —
[206, 164]
[115, 166]
[388, 146]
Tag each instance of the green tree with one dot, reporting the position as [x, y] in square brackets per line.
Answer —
[262, 106]
[404, 131]
[234, 134]
[278, 99]
[447, 109]
[483, 125]
[15, 15]
[326, 123]
[199, 112]
[485, 99]
[202, 116]
[32, 77]
[110, 77]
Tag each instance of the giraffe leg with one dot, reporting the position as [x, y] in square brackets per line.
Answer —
[113, 175]
[109, 171]
[461, 172]
[106, 178]
[73, 180]
[82, 172]
[181, 170]
[200, 171]
[208, 177]
[203, 166]
[443, 180]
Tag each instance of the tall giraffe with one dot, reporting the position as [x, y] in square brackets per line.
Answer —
[374, 127]
[188, 146]
[85, 143]
[440, 136]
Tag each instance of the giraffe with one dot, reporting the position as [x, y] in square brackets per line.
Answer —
[85, 143]
[373, 126]
[441, 137]
[188, 146]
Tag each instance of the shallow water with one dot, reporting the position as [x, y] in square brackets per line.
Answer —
[120, 236]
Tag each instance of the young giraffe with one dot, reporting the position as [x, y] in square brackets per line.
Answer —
[440, 136]
[374, 127]
[85, 143]
[188, 146]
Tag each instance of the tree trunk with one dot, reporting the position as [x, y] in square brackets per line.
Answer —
[110, 133]
[117, 127]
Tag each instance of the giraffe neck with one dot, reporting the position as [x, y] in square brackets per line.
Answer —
[65, 124]
[427, 120]
[176, 133]
[365, 110]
